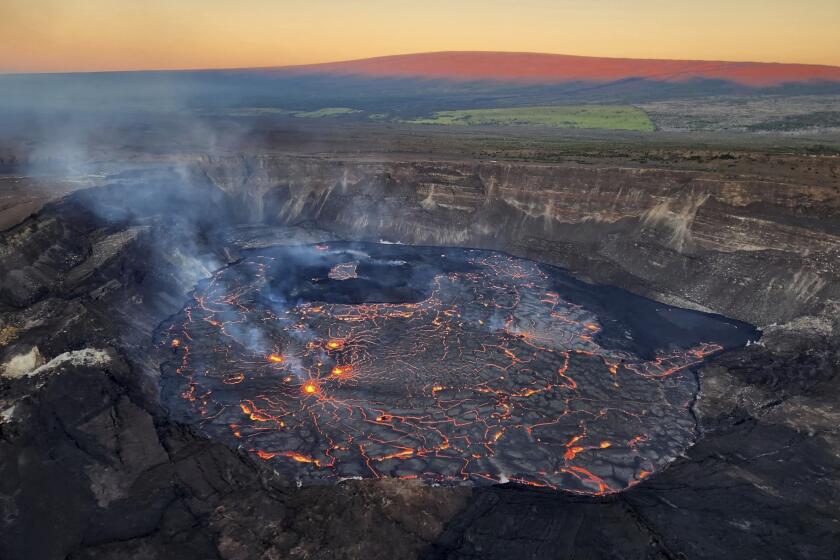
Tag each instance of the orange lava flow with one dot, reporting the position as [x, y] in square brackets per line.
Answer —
[334, 344]
[339, 371]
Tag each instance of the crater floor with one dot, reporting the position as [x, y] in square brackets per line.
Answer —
[447, 365]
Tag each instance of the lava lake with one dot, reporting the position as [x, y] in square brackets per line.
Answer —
[448, 365]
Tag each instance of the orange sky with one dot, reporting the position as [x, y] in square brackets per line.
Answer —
[71, 35]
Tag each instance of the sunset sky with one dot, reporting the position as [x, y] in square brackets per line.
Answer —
[76, 35]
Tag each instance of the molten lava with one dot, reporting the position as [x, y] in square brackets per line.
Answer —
[339, 371]
[335, 344]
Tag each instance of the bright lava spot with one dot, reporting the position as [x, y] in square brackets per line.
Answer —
[338, 371]
[276, 358]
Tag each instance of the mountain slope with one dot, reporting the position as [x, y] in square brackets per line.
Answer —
[555, 68]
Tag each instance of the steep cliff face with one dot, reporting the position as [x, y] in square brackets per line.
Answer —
[757, 249]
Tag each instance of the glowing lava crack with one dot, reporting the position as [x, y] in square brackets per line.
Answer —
[483, 373]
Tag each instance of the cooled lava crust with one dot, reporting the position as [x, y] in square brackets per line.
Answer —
[454, 366]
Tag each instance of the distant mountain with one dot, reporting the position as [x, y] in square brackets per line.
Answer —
[537, 68]
[410, 86]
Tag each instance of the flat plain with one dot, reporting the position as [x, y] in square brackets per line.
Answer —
[614, 117]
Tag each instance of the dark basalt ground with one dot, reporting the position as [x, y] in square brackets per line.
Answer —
[93, 467]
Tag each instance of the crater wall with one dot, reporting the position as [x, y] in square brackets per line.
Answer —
[756, 249]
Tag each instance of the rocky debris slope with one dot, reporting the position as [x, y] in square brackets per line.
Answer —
[93, 468]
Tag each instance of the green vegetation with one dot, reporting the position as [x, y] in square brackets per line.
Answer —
[326, 112]
[616, 117]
